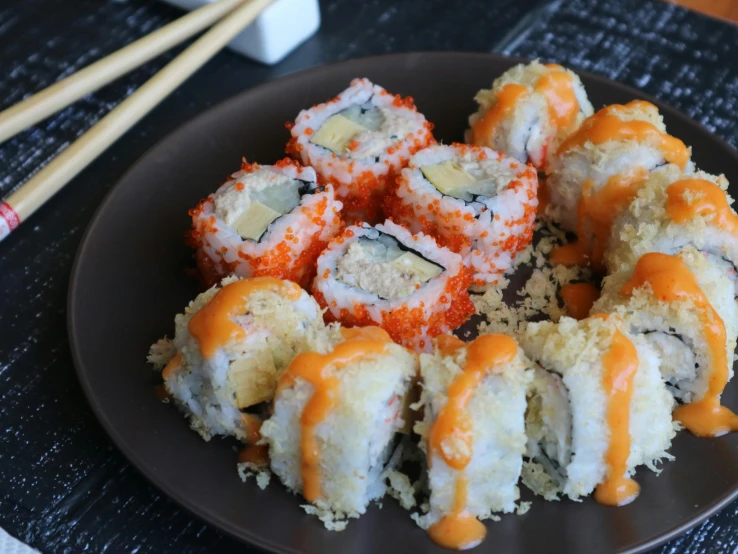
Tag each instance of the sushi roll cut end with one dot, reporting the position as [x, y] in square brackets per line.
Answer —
[474, 201]
[336, 412]
[230, 346]
[467, 389]
[670, 280]
[597, 410]
[404, 283]
[266, 220]
[359, 142]
[630, 142]
[528, 111]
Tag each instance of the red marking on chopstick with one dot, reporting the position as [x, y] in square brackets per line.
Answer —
[8, 214]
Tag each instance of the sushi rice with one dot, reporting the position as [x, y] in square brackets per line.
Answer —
[386, 276]
[358, 142]
[265, 220]
[362, 378]
[473, 200]
[528, 112]
[567, 425]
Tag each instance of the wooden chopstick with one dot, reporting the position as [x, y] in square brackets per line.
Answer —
[59, 95]
[57, 173]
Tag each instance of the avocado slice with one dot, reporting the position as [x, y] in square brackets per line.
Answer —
[414, 264]
[336, 133]
[449, 178]
[255, 220]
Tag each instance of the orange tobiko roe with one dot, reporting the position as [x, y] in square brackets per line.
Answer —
[276, 263]
[365, 201]
[404, 324]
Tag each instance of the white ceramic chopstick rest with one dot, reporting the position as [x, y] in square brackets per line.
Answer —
[280, 28]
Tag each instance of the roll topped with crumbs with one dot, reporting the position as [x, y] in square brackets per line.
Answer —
[358, 142]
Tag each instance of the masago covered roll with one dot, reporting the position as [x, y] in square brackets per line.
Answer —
[386, 276]
[230, 346]
[358, 142]
[473, 200]
[265, 220]
[473, 434]
[335, 414]
[672, 211]
[683, 306]
[528, 111]
[598, 409]
[598, 170]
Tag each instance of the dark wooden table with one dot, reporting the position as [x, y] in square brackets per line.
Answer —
[63, 486]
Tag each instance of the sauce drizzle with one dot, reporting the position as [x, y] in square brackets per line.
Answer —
[312, 367]
[596, 213]
[257, 454]
[620, 364]
[507, 98]
[557, 87]
[578, 298]
[172, 367]
[213, 325]
[605, 125]
[448, 344]
[671, 280]
[451, 436]
[689, 198]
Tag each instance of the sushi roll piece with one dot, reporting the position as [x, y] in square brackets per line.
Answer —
[358, 142]
[597, 409]
[683, 306]
[473, 434]
[271, 220]
[404, 283]
[671, 211]
[598, 170]
[528, 111]
[473, 200]
[232, 343]
[335, 415]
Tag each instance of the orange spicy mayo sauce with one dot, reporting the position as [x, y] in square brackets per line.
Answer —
[448, 344]
[598, 209]
[578, 298]
[620, 365]
[312, 367]
[596, 213]
[558, 89]
[689, 198]
[507, 98]
[459, 529]
[605, 125]
[213, 325]
[257, 454]
[671, 280]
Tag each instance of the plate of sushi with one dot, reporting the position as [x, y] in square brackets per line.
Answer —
[423, 302]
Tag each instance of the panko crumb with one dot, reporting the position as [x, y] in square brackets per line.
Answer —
[160, 353]
[332, 521]
[539, 295]
[401, 489]
[537, 480]
[263, 476]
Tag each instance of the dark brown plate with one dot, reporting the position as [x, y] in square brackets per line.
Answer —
[129, 282]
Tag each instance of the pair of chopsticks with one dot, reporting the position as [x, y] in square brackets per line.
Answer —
[235, 15]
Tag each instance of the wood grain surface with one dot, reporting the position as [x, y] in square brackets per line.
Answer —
[64, 488]
[723, 9]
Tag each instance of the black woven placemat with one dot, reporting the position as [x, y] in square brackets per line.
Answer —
[64, 488]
